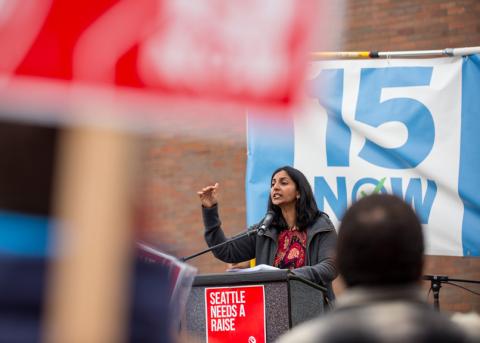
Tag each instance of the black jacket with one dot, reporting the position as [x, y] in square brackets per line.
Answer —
[321, 240]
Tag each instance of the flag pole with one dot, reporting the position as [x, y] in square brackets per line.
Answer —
[394, 54]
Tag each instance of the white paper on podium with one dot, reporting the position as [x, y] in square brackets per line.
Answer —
[257, 268]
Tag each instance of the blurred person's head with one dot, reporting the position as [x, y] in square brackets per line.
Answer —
[27, 155]
[380, 242]
[293, 187]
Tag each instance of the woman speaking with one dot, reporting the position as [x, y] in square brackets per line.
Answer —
[301, 238]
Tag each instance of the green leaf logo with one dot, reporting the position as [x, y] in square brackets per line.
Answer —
[377, 188]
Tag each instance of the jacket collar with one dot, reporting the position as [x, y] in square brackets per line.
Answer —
[272, 233]
[360, 296]
[322, 224]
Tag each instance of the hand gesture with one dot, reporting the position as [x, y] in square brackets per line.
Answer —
[208, 195]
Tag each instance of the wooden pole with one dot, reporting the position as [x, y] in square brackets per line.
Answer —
[88, 293]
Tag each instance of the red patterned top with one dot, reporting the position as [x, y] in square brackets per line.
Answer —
[291, 249]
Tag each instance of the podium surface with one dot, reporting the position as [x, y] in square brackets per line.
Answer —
[288, 300]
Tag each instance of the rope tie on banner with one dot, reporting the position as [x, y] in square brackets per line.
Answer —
[450, 52]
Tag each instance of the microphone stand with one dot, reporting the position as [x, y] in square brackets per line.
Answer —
[232, 239]
[436, 284]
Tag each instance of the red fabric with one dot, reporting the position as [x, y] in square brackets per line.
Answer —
[291, 249]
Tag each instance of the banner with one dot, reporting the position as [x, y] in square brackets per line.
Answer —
[410, 127]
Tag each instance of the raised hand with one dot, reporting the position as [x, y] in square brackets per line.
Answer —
[208, 195]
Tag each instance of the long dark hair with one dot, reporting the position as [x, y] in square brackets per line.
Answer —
[305, 207]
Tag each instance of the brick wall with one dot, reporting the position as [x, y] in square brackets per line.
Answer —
[389, 25]
[178, 166]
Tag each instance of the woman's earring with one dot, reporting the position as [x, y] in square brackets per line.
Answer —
[298, 197]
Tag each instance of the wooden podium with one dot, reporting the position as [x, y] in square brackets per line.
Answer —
[288, 299]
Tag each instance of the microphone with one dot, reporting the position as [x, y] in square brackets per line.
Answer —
[439, 278]
[266, 222]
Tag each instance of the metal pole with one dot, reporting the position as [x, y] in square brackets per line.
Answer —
[326, 55]
[436, 285]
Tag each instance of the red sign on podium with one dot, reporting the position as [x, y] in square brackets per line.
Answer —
[235, 314]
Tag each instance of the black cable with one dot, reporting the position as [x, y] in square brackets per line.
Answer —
[464, 288]
[428, 294]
